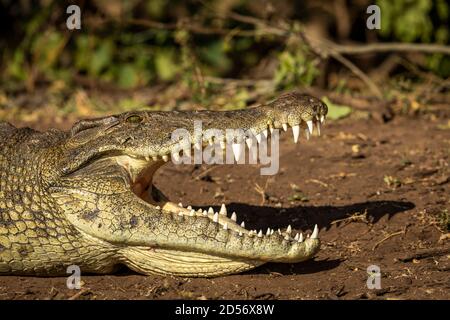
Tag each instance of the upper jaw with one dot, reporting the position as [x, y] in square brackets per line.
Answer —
[306, 125]
[152, 137]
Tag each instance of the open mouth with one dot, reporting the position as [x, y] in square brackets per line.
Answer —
[108, 194]
[141, 170]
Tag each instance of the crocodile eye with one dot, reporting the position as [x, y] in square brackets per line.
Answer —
[134, 119]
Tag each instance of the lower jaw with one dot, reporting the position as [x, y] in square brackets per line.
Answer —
[194, 263]
[182, 263]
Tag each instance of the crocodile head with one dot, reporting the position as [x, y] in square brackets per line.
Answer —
[106, 190]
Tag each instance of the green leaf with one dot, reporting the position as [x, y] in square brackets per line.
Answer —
[16, 68]
[127, 76]
[442, 9]
[156, 8]
[336, 111]
[46, 49]
[295, 67]
[165, 64]
[82, 52]
[102, 57]
[214, 55]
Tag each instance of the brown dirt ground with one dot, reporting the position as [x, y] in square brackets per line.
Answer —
[365, 218]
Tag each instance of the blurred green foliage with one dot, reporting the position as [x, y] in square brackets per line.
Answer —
[113, 48]
[424, 21]
[117, 45]
[296, 67]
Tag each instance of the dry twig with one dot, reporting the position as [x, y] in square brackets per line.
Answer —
[356, 217]
[388, 237]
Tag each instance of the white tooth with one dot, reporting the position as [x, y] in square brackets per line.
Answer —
[296, 132]
[192, 213]
[300, 239]
[147, 158]
[216, 217]
[250, 233]
[205, 213]
[310, 126]
[225, 226]
[234, 216]
[315, 232]
[279, 231]
[307, 134]
[285, 126]
[240, 233]
[199, 210]
[318, 128]
[307, 236]
[165, 158]
[249, 142]
[180, 204]
[158, 208]
[260, 234]
[271, 231]
[296, 237]
[223, 210]
[322, 119]
[265, 133]
[243, 224]
[223, 145]
[237, 150]
[271, 130]
[268, 232]
[286, 237]
[155, 158]
[189, 207]
[258, 137]
[289, 229]
[211, 210]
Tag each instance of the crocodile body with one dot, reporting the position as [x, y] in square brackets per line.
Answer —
[86, 198]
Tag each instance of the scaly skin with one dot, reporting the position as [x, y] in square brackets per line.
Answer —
[85, 198]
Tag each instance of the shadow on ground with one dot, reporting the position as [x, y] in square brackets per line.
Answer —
[305, 217]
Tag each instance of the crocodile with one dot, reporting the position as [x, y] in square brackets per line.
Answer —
[85, 197]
